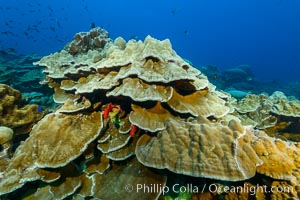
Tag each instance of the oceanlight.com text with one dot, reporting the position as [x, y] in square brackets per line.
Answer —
[213, 188]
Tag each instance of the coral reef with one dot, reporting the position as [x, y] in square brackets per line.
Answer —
[6, 143]
[276, 114]
[13, 114]
[16, 120]
[96, 38]
[240, 74]
[240, 80]
[18, 72]
[129, 111]
[185, 148]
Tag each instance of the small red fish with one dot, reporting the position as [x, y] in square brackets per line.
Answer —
[107, 110]
[133, 130]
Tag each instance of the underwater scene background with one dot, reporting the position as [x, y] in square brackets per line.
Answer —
[150, 100]
[261, 34]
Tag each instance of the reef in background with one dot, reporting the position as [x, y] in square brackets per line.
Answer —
[240, 81]
[19, 72]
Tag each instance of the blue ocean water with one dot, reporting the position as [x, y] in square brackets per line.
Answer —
[263, 34]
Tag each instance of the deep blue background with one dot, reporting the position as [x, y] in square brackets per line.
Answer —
[264, 34]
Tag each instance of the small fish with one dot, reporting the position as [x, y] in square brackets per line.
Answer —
[28, 4]
[59, 40]
[107, 110]
[7, 33]
[174, 11]
[186, 32]
[40, 109]
[50, 9]
[93, 25]
[52, 28]
[134, 37]
[117, 122]
[133, 130]
[58, 23]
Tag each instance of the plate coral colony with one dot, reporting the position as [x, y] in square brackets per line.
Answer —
[136, 114]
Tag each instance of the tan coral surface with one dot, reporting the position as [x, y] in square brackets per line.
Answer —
[200, 148]
[140, 97]
[13, 114]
